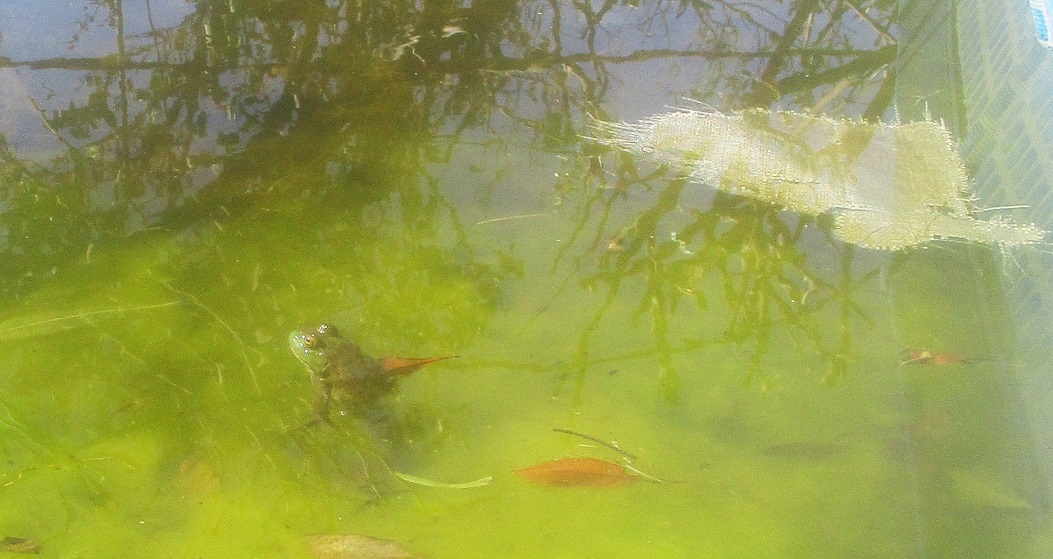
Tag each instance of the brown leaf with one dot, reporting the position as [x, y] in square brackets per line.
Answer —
[352, 546]
[576, 472]
[399, 366]
[19, 545]
[919, 356]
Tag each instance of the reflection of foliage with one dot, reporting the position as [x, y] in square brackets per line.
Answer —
[241, 105]
[46, 220]
[768, 286]
[287, 151]
[247, 106]
[216, 113]
[753, 253]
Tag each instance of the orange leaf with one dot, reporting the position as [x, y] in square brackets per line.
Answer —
[352, 546]
[918, 356]
[399, 366]
[576, 472]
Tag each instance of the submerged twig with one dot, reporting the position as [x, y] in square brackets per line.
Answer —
[241, 343]
[482, 482]
[611, 445]
[643, 475]
[14, 329]
[510, 217]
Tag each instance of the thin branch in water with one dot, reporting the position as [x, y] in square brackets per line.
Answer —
[15, 328]
[44, 120]
[444, 485]
[611, 445]
[999, 208]
[216, 317]
[643, 475]
[510, 217]
[881, 30]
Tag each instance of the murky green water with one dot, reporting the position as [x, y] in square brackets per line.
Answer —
[416, 175]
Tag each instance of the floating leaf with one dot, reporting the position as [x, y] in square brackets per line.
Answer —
[918, 356]
[577, 472]
[19, 545]
[352, 546]
[430, 483]
[400, 366]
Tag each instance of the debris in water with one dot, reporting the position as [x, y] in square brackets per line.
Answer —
[577, 472]
[482, 482]
[890, 186]
[352, 546]
[918, 356]
[46, 324]
[12, 544]
[611, 445]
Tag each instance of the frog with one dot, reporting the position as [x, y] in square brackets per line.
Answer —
[342, 373]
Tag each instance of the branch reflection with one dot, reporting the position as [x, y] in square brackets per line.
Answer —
[743, 271]
[234, 124]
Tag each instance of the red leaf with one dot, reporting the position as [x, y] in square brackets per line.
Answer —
[576, 472]
[400, 366]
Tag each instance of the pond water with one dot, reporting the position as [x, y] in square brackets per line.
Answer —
[183, 184]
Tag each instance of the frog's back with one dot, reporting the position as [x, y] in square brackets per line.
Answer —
[347, 364]
[340, 371]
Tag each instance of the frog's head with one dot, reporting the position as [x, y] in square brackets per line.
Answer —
[310, 346]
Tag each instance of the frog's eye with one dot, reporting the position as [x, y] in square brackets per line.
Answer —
[309, 341]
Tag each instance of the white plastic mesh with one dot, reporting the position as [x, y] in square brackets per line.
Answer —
[891, 185]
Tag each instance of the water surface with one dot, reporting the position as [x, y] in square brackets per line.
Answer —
[184, 183]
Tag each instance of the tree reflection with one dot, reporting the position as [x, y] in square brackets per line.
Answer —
[767, 284]
[239, 107]
[290, 155]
